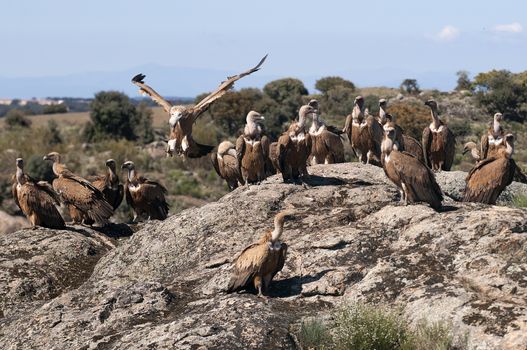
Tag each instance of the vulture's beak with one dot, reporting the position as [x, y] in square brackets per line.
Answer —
[465, 150]
[46, 158]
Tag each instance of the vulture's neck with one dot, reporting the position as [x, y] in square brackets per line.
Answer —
[387, 148]
[57, 168]
[112, 175]
[252, 129]
[436, 121]
[300, 126]
[496, 126]
[509, 150]
[131, 175]
[316, 123]
[382, 116]
[357, 113]
[20, 178]
[278, 229]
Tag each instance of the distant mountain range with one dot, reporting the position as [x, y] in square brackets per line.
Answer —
[189, 82]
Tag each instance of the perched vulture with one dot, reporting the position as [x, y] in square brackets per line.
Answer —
[252, 149]
[144, 196]
[326, 144]
[37, 200]
[439, 144]
[294, 147]
[225, 162]
[415, 180]
[364, 133]
[489, 177]
[109, 185]
[494, 139]
[85, 202]
[260, 262]
[182, 118]
[473, 149]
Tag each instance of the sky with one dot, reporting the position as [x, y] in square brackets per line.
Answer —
[369, 42]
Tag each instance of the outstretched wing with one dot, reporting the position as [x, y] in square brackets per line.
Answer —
[147, 90]
[222, 90]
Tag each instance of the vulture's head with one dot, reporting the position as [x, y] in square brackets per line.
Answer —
[314, 103]
[388, 143]
[469, 146]
[359, 101]
[53, 156]
[498, 117]
[20, 163]
[305, 110]
[110, 163]
[432, 104]
[254, 118]
[509, 140]
[382, 103]
[226, 147]
[129, 165]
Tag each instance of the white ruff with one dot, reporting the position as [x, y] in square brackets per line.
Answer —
[298, 137]
[184, 144]
[251, 142]
[433, 129]
[172, 145]
[133, 188]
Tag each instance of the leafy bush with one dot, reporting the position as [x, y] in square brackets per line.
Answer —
[53, 109]
[365, 327]
[16, 118]
[53, 131]
[463, 81]
[324, 85]
[412, 117]
[39, 169]
[503, 91]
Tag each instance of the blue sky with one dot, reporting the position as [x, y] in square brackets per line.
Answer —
[370, 42]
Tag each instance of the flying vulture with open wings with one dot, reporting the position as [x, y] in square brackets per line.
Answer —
[182, 118]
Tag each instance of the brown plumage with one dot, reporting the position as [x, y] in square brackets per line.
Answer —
[226, 164]
[439, 144]
[415, 180]
[109, 185]
[364, 133]
[489, 177]
[84, 201]
[37, 200]
[472, 147]
[260, 262]
[144, 196]
[252, 149]
[493, 139]
[326, 143]
[274, 156]
[182, 118]
[294, 147]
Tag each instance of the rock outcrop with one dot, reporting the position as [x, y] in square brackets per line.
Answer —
[10, 223]
[164, 286]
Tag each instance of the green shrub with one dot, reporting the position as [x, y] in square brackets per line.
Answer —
[16, 118]
[520, 201]
[314, 335]
[39, 169]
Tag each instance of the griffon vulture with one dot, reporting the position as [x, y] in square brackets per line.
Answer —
[489, 177]
[182, 118]
[439, 144]
[415, 180]
[260, 262]
[109, 185]
[225, 161]
[364, 133]
[144, 196]
[85, 202]
[406, 142]
[37, 200]
[493, 139]
[326, 144]
[252, 149]
[294, 147]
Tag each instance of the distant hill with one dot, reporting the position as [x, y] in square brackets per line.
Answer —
[181, 81]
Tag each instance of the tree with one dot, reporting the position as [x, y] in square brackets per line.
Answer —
[39, 169]
[143, 129]
[412, 117]
[283, 90]
[114, 116]
[324, 85]
[16, 118]
[410, 86]
[463, 81]
[502, 91]
[52, 109]
[53, 133]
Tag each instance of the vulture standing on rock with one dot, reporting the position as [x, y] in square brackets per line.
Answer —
[37, 200]
[415, 180]
[260, 262]
[144, 196]
[182, 118]
[490, 176]
[225, 161]
[364, 133]
[439, 144]
[84, 201]
[326, 144]
[494, 139]
[406, 142]
[294, 147]
[252, 148]
[109, 185]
